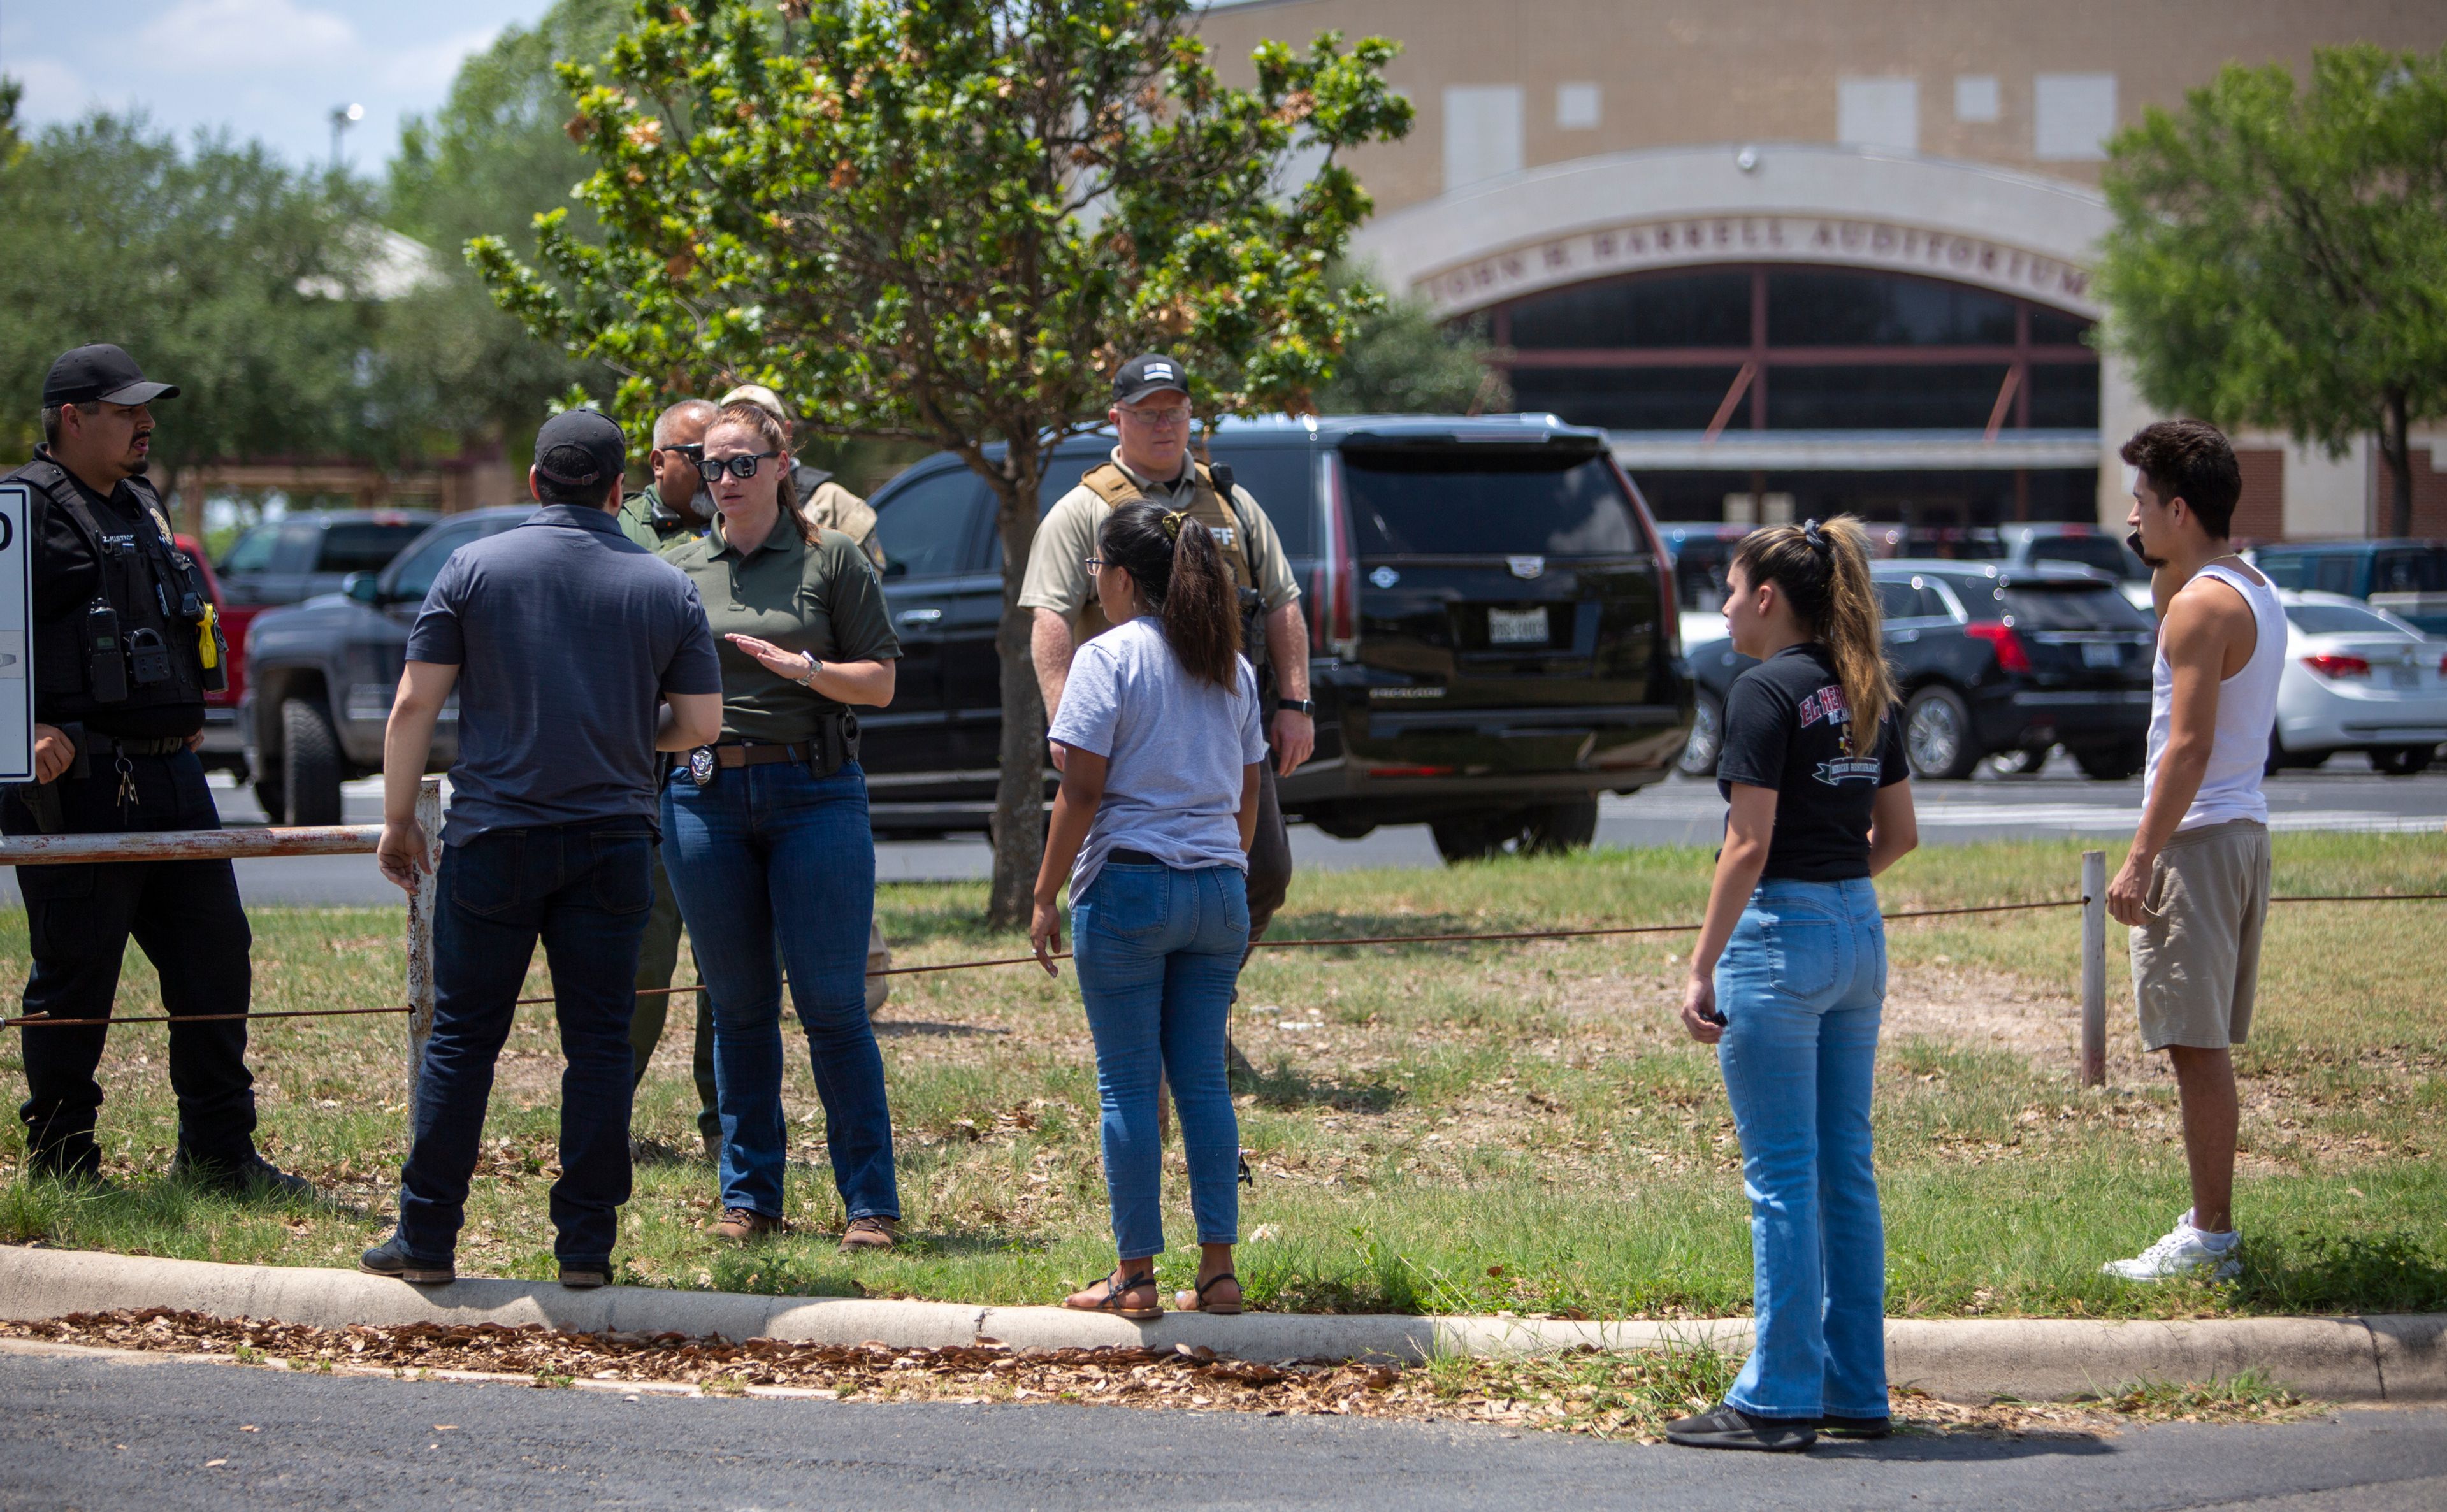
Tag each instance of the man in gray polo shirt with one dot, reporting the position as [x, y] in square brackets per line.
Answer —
[577, 653]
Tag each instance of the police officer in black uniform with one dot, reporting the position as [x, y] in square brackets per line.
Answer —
[125, 649]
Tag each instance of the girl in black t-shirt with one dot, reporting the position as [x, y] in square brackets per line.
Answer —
[1790, 976]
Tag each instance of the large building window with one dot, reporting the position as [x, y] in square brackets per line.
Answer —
[1787, 348]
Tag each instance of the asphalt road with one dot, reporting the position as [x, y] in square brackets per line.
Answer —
[2344, 795]
[102, 1433]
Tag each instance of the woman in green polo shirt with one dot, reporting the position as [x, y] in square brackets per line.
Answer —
[766, 834]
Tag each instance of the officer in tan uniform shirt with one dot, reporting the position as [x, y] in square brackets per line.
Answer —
[1150, 415]
[827, 503]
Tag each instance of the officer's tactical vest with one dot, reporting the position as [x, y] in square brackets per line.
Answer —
[1209, 508]
[143, 576]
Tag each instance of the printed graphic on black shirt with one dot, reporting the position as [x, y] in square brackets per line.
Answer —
[1788, 728]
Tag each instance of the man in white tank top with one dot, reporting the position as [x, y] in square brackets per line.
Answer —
[2194, 889]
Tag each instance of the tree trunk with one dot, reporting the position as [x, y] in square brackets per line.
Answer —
[1019, 793]
[2395, 446]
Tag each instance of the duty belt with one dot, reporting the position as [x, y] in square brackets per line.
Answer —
[835, 747]
[100, 745]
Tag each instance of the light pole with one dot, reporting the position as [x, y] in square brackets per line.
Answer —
[343, 117]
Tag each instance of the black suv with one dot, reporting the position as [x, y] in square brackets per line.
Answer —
[290, 560]
[320, 675]
[1491, 617]
[1991, 660]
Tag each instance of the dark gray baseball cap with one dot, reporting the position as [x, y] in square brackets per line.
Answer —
[1153, 373]
[100, 375]
[580, 449]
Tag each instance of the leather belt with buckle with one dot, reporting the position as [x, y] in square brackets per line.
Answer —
[707, 760]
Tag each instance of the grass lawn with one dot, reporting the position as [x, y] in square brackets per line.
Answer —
[1442, 1128]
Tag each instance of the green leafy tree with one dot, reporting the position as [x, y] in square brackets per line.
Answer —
[1402, 361]
[497, 154]
[219, 267]
[2280, 259]
[947, 221]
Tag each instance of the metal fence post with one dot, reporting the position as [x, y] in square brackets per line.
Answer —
[420, 938]
[2094, 968]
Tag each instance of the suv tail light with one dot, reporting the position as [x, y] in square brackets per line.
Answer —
[2011, 657]
[1334, 624]
[2332, 666]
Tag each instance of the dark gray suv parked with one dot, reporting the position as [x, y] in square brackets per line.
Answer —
[320, 675]
[1492, 630]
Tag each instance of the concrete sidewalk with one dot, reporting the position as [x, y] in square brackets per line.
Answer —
[2381, 1358]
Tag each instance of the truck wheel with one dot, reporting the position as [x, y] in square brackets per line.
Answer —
[2112, 764]
[1554, 828]
[1937, 735]
[1473, 836]
[1707, 741]
[310, 760]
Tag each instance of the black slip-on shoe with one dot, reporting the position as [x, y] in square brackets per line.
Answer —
[584, 1276]
[390, 1257]
[1727, 1427]
[1852, 1427]
[254, 1177]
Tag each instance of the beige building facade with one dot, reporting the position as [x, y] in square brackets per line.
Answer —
[1801, 255]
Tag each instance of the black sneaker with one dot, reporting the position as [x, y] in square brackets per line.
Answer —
[71, 1162]
[1852, 1427]
[390, 1257]
[1727, 1427]
[254, 1177]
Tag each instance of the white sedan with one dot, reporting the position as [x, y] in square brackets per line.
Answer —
[2357, 679]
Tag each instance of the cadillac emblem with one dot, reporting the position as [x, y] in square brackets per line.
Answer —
[701, 765]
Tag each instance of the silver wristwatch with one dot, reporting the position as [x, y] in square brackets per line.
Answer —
[814, 666]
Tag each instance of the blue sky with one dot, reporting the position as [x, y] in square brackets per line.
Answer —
[269, 70]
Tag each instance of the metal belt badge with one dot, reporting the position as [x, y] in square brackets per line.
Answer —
[700, 766]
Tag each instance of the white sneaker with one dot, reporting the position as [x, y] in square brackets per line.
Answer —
[2186, 1253]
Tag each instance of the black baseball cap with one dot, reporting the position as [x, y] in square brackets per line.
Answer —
[1150, 374]
[580, 449]
[100, 375]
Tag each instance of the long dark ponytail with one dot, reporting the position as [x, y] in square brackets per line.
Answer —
[1824, 571]
[1179, 570]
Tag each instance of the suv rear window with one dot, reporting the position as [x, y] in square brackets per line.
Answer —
[1469, 502]
[1279, 478]
[366, 546]
[2075, 607]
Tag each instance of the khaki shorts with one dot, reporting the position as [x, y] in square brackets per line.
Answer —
[2196, 956]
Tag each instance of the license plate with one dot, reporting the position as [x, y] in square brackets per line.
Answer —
[2101, 653]
[2404, 677]
[1516, 627]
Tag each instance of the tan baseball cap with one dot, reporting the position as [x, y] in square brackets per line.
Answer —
[762, 397]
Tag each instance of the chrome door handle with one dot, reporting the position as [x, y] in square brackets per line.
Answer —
[920, 616]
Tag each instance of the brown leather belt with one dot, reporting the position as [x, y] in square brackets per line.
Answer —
[729, 756]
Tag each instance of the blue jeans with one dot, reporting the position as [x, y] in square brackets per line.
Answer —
[768, 851]
[585, 891]
[1158, 950]
[1801, 985]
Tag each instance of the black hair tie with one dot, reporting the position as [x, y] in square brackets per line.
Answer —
[1811, 534]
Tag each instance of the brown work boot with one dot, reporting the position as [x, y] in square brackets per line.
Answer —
[869, 1233]
[742, 1224]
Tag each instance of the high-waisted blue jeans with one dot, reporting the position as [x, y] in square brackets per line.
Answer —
[1801, 985]
[1158, 950]
[768, 851]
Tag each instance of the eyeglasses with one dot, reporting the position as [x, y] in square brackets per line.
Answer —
[743, 466]
[1169, 415]
[1095, 564]
[691, 452]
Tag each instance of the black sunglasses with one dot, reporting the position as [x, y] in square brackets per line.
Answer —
[743, 466]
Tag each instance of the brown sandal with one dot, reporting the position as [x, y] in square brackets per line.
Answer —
[1116, 1289]
[1196, 1301]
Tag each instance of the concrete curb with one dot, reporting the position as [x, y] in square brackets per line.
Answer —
[2381, 1358]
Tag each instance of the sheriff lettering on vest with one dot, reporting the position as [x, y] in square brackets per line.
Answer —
[1150, 416]
[125, 646]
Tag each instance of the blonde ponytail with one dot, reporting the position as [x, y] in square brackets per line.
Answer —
[1824, 571]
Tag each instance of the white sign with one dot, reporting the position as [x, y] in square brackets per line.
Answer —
[1697, 242]
[16, 635]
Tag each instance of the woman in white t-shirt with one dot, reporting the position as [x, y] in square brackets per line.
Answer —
[1159, 799]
